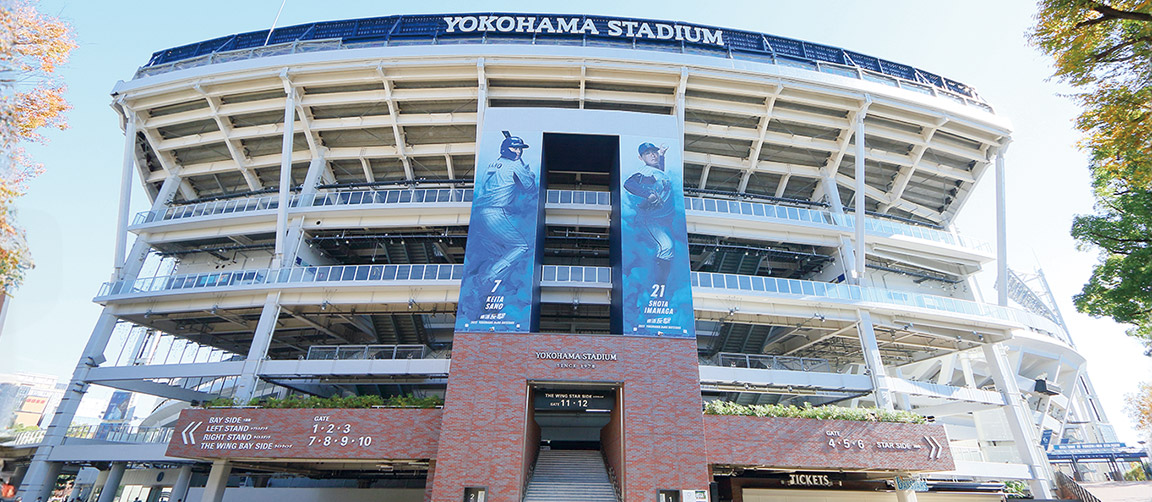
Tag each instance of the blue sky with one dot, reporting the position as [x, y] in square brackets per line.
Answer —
[70, 211]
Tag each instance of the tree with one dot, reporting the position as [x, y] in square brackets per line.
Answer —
[32, 46]
[1104, 49]
[1119, 286]
[1139, 407]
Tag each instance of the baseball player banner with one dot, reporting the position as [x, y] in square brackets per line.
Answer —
[655, 289]
[501, 263]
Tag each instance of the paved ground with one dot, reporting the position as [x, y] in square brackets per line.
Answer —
[1121, 491]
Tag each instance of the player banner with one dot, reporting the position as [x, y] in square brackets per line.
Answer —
[655, 292]
[500, 288]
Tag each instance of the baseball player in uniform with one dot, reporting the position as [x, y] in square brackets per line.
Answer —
[651, 189]
[503, 187]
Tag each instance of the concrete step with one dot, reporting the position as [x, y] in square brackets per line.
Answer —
[570, 476]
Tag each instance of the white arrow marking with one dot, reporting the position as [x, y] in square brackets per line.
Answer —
[935, 449]
[189, 433]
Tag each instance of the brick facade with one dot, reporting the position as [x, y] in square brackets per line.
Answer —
[657, 438]
[804, 444]
[396, 433]
[483, 432]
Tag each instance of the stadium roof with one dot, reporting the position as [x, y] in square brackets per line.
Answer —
[575, 29]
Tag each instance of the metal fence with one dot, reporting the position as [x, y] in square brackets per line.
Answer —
[292, 275]
[343, 352]
[117, 433]
[771, 362]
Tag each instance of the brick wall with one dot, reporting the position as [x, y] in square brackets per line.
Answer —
[396, 433]
[804, 443]
[483, 430]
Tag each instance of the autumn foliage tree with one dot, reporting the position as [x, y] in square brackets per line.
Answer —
[1139, 407]
[32, 46]
[1104, 50]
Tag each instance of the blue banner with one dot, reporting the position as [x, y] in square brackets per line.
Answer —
[500, 289]
[655, 293]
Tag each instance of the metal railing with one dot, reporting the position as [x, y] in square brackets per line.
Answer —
[1071, 487]
[586, 197]
[118, 433]
[757, 210]
[576, 274]
[598, 276]
[208, 209]
[875, 226]
[770, 362]
[293, 275]
[393, 196]
[775, 286]
[884, 226]
[343, 352]
[966, 453]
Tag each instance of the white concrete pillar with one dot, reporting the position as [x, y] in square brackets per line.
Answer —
[180, 488]
[905, 496]
[41, 473]
[1019, 421]
[125, 194]
[1001, 232]
[217, 481]
[860, 196]
[872, 360]
[901, 398]
[482, 98]
[294, 236]
[905, 485]
[285, 168]
[261, 339]
[112, 482]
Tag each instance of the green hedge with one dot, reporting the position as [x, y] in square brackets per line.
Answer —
[808, 411]
[1014, 489]
[406, 401]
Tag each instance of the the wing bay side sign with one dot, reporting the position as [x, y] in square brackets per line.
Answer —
[574, 25]
[306, 433]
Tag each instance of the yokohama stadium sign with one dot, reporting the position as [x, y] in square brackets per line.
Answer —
[570, 25]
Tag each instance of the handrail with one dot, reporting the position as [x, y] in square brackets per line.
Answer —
[361, 352]
[758, 285]
[576, 274]
[587, 197]
[772, 362]
[338, 198]
[744, 208]
[1067, 483]
[119, 433]
[208, 209]
[573, 274]
[290, 275]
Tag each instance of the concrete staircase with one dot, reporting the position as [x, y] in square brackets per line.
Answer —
[570, 476]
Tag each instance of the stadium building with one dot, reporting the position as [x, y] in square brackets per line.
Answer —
[575, 231]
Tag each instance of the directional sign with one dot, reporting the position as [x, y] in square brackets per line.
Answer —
[827, 444]
[188, 435]
[306, 433]
[935, 448]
